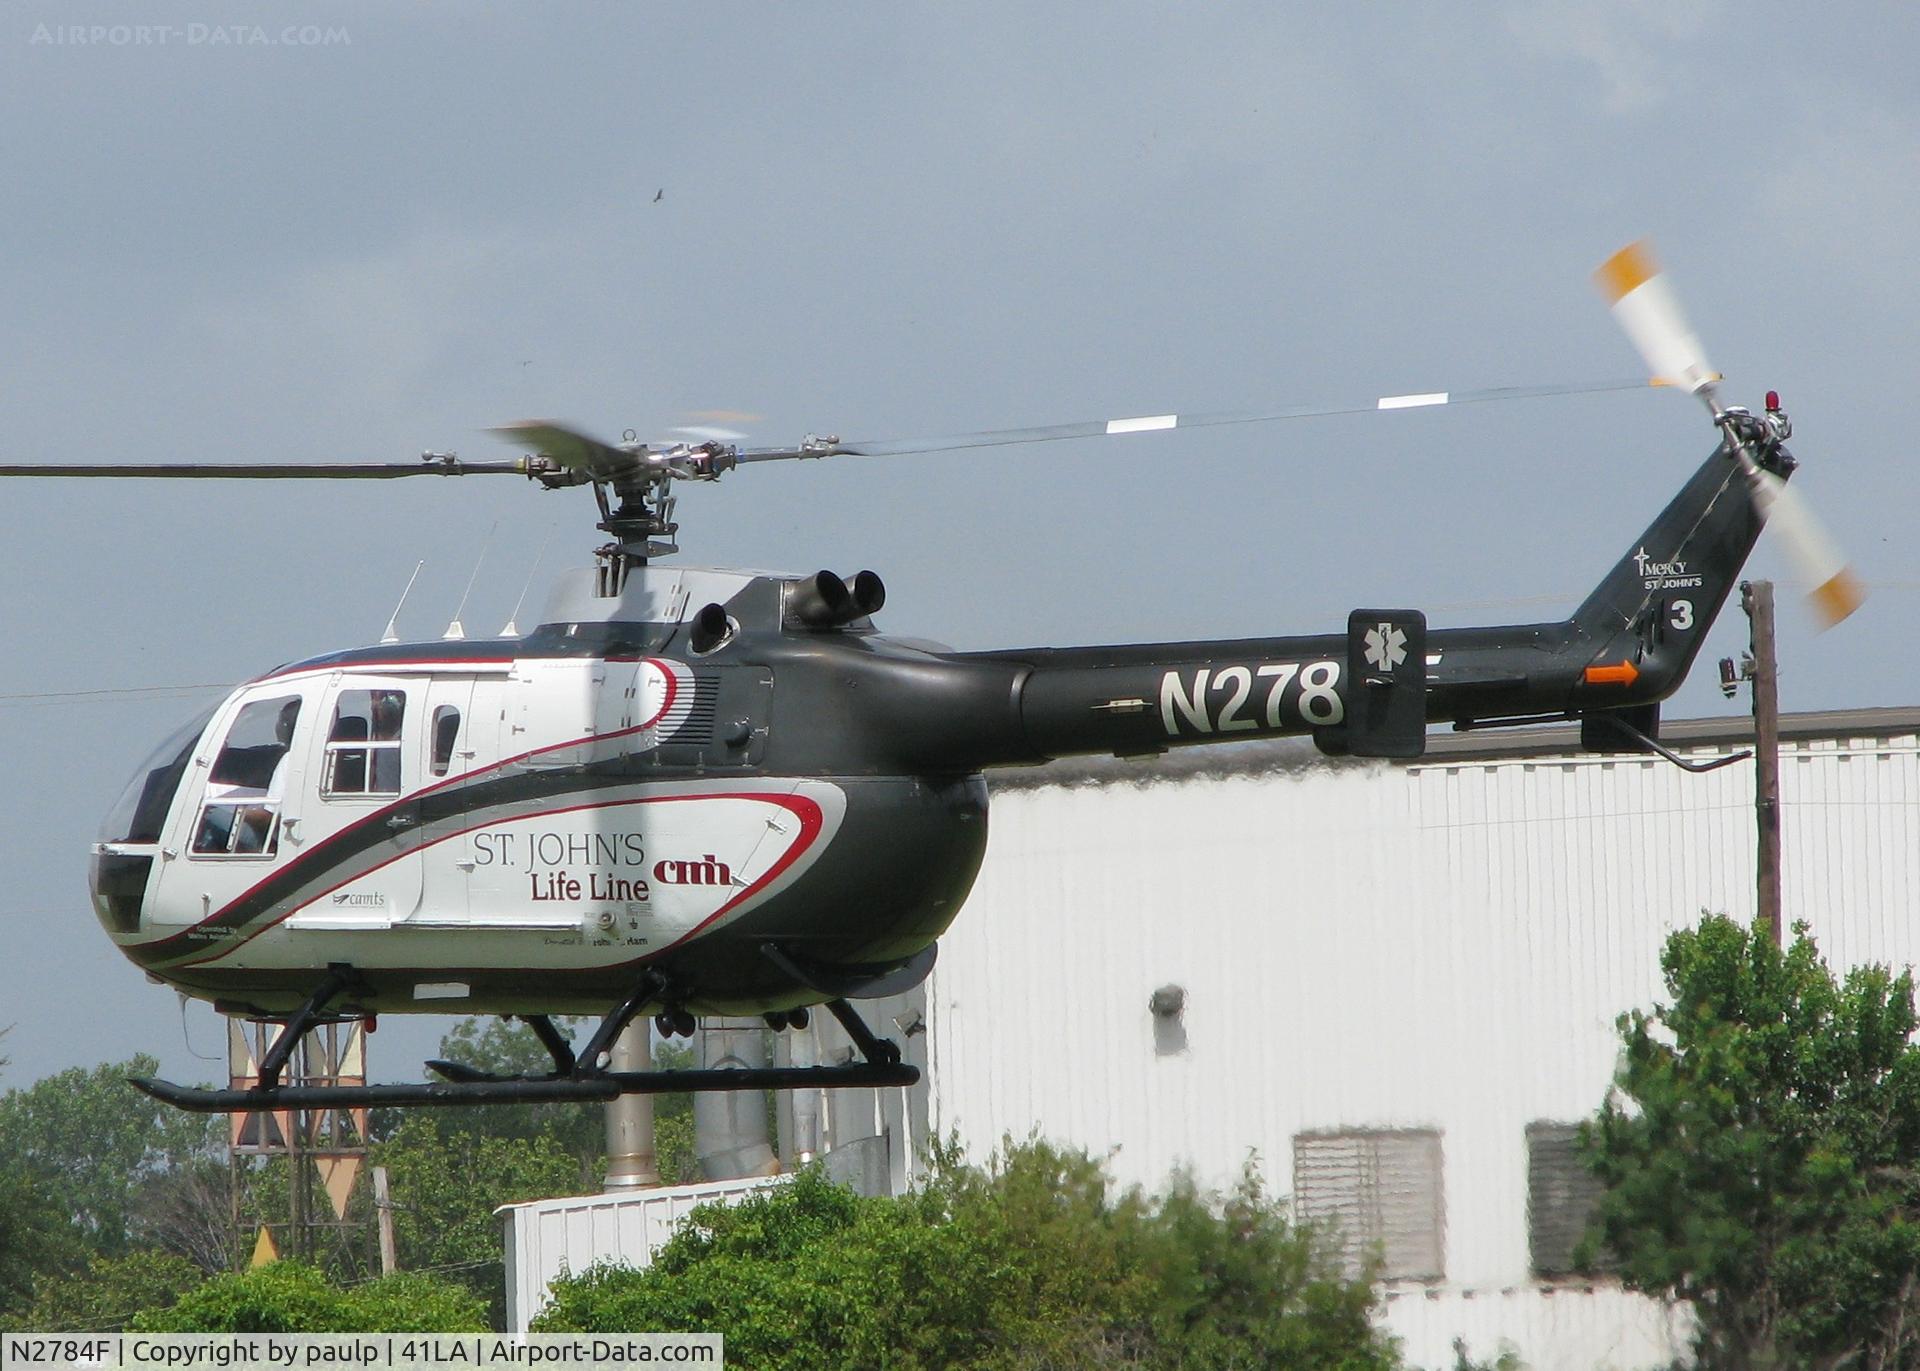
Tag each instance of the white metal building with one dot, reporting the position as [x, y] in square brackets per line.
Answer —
[1395, 984]
[1391, 986]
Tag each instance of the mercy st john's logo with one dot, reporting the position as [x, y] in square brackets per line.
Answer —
[1671, 575]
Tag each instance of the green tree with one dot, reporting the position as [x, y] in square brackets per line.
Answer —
[79, 1153]
[287, 1297]
[185, 1206]
[1231, 1280]
[1031, 1261]
[91, 1143]
[1761, 1153]
[37, 1241]
[110, 1292]
[509, 1048]
[445, 1187]
[674, 1153]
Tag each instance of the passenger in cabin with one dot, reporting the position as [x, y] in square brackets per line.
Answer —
[372, 720]
[255, 826]
[389, 709]
[348, 772]
[248, 782]
[216, 829]
[256, 766]
[283, 737]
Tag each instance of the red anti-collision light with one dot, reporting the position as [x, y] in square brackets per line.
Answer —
[1773, 401]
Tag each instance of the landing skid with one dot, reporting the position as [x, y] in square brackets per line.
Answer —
[574, 1080]
[588, 1088]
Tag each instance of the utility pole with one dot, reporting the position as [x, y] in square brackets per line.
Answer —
[1756, 597]
[383, 1210]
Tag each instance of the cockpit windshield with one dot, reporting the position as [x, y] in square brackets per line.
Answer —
[138, 814]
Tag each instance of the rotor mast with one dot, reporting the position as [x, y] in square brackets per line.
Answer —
[633, 483]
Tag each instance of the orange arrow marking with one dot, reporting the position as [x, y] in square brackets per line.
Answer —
[1620, 673]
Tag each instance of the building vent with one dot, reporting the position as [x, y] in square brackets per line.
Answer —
[1377, 1193]
[1561, 1195]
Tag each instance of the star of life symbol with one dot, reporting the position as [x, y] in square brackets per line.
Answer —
[1386, 647]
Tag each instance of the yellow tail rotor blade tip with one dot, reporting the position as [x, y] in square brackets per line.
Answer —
[1627, 270]
[1837, 597]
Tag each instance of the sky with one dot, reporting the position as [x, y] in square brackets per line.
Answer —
[338, 232]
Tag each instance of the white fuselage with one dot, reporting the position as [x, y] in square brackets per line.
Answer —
[433, 817]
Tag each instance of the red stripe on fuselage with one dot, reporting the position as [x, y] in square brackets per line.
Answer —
[312, 855]
[812, 821]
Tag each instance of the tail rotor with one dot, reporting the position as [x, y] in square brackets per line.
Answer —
[1649, 313]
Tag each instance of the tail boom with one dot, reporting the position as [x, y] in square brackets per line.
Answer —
[1627, 647]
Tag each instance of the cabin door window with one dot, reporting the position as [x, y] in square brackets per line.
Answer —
[363, 744]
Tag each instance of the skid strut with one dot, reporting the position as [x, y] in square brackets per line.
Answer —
[554, 1041]
[308, 1016]
[576, 1079]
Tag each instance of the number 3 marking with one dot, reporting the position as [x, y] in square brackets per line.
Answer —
[1682, 615]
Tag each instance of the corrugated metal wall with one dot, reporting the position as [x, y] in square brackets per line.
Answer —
[1442, 946]
[548, 1238]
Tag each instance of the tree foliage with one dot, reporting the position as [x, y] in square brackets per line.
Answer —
[90, 1143]
[1033, 1260]
[445, 1186]
[110, 1292]
[674, 1152]
[509, 1048]
[187, 1206]
[37, 1241]
[81, 1153]
[288, 1297]
[1761, 1153]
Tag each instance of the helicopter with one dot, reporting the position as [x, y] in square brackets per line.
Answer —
[706, 791]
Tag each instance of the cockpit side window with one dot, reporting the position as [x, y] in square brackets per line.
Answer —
[259, 738]
[240, 817]
[363, 744]
[446, 732]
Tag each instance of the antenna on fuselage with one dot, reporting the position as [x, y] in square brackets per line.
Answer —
[392, 635]
[456, 629]
[512, 629]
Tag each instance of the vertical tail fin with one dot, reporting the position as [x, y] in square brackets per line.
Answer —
[1654, 607]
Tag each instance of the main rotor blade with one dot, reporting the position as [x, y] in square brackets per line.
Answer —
[273, 471]
[569, 447]
[1151, 423]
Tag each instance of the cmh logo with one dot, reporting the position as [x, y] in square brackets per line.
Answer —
[710, 870]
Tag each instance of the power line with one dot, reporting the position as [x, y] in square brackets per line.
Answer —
[41, 697]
